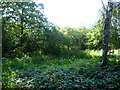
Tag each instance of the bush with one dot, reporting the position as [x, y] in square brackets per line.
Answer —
[38, 59]
[18, 63]
[76, 54]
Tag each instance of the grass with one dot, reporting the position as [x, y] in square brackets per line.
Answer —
[65, 72]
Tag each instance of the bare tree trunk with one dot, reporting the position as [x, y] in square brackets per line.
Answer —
[106, 34]
[22, 27]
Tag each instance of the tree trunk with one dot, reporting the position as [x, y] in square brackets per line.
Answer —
[21, 41]
[22, 27]
[106, 34]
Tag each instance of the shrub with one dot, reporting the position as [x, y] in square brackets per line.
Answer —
[18, 63]
[76, 54]
[38, 59]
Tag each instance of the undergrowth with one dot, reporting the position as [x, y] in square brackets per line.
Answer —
[65, 72]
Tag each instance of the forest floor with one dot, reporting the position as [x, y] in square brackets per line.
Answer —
[77, 71]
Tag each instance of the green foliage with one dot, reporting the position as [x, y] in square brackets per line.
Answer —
[76, 54]
[95, 36]
[114, 38]
[23, 27]
[75, 38]
[38, 59]
[37, 54]
[84, 78]
[18, 63]
[26, 29]
[67, 73]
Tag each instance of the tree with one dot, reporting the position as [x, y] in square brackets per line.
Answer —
[75, 38]
[54, 41]
[106, 33]
[114, 39]
[94, 35]
[23, 26]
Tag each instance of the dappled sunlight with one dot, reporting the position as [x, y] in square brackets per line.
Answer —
[78, 53]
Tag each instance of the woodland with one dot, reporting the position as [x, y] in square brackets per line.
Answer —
[37, 54]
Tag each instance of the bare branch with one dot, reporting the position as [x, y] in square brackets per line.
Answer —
[103, 5]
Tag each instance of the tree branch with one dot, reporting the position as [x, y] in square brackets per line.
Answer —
[103, 5]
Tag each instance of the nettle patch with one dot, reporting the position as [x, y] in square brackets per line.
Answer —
[50, 78]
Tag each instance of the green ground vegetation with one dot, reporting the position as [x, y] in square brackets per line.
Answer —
[51, 72]
[38, 54]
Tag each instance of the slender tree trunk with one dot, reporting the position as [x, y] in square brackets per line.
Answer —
[106, 34]
[22, 27]
[21, 41]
